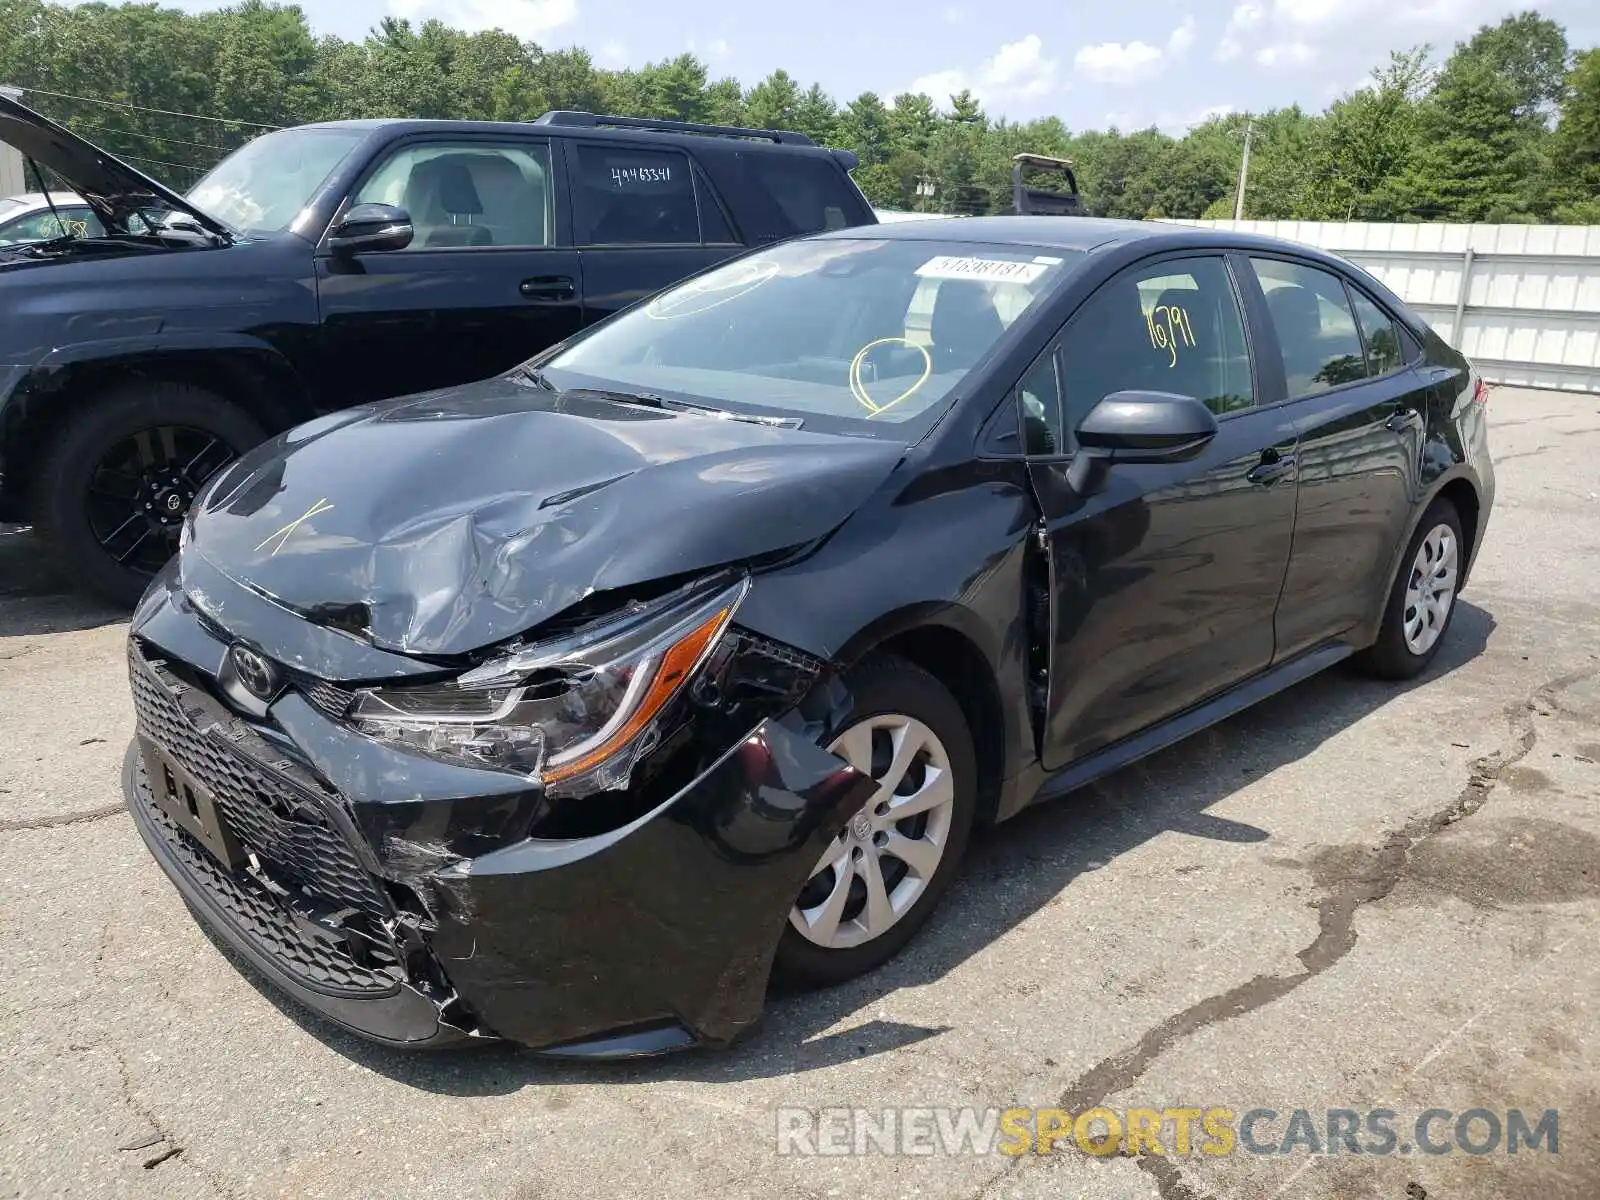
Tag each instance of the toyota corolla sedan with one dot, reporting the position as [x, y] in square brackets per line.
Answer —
[574, 706]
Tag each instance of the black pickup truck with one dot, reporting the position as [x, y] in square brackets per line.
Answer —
[330, 265]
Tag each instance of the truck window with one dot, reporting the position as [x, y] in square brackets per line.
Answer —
[635, 196]
[782, 195]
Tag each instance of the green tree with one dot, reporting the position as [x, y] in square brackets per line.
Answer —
[774, 103]
[864, 127]
[1575, 146]
[1530, 52]
[1475, 158]
[1365, 145]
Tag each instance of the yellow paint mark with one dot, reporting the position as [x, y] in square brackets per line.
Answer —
[1169, 327]
[859, 391]
[283, 535]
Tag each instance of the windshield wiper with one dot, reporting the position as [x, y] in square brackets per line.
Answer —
[537, 377]
[651, 400]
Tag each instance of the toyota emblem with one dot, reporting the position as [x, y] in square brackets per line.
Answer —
[255, 670]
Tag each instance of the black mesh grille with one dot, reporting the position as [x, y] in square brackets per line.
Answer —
[292, 941]
[284, 820]
[329, 699]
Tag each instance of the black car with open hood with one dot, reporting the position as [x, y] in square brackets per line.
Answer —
[573, 706]
[328, 266]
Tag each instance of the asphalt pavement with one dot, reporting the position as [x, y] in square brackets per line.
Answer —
[1357, 896]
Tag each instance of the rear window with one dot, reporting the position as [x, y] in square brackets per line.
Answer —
[784, 195]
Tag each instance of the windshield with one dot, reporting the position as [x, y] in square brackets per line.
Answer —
[866, 336]
[262, 186]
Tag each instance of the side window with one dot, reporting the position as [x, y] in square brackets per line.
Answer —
[809, 190]
[44, 225]
[1044, 426]
[1384, 350]
[469, 193]
[1171, 327]
[779, 194]
[639, 196]
[1316, 331]
[714, 230]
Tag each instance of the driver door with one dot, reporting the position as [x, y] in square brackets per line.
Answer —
[1165, 582]
[489, 280]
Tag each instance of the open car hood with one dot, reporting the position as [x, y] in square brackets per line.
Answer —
[447, 523]
[113, 189]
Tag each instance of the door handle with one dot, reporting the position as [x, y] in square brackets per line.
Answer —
[1272, 467]
[548, 289]
[1401, 420]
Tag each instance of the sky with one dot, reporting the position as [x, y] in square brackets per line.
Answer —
[1169, 63]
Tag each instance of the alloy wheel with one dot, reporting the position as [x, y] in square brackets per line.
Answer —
[1431, 589]
[887, 854]
[141, 489]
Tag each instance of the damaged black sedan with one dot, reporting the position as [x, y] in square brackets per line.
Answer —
[573, 706]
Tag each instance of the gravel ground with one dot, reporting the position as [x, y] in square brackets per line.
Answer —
[1355, 896]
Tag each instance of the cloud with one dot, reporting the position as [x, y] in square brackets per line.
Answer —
[1129, 62]
[527, 19]
[714, 50]
[1285, 54]
[1018, 70]
[612, 54]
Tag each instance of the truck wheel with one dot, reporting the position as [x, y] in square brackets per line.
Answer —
[116, 482]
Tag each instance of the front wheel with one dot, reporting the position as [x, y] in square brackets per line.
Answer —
[881, 877]
[116, 483]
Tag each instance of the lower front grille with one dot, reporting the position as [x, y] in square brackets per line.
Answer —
[305, 897]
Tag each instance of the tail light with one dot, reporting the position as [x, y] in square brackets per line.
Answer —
[1480, 392]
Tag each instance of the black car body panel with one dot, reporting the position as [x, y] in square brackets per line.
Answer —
[1078, 627]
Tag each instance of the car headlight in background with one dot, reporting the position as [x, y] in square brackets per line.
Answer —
[573, 714]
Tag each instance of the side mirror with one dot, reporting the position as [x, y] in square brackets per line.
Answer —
[1139, 427]
[371, 227]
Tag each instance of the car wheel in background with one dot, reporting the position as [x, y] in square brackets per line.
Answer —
[117, 480]
[1423, 598]
[884, 873]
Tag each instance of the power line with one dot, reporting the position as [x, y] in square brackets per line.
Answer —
[149, 137]
[164, 112]
[161, 162]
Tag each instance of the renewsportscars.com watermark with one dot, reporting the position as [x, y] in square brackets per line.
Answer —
[1178, 1131]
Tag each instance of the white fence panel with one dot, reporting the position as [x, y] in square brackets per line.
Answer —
[1522, 301]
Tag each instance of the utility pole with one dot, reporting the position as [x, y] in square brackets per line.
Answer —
[1244, 171]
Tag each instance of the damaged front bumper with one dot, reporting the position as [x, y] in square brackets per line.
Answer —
[416, 903]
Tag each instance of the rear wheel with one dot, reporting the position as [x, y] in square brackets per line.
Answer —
[116, 483]
[881, 877]
[1423, 598]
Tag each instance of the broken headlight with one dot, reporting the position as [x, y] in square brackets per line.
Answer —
[573, 714]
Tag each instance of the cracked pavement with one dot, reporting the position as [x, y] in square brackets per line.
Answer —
[1356, 895]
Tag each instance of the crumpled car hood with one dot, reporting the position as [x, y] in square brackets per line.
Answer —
[446, 523]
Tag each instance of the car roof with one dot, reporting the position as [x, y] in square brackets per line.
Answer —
[401, 126]
[1085, 234]
[1062, 233]
[37, 200]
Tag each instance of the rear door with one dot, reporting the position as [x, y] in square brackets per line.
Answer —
[1164, 583]
[1360, 411]
[644, 217]
[490, 279]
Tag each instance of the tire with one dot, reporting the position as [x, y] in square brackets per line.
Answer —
[1394, 655]
[898, 695]
[106, 430]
